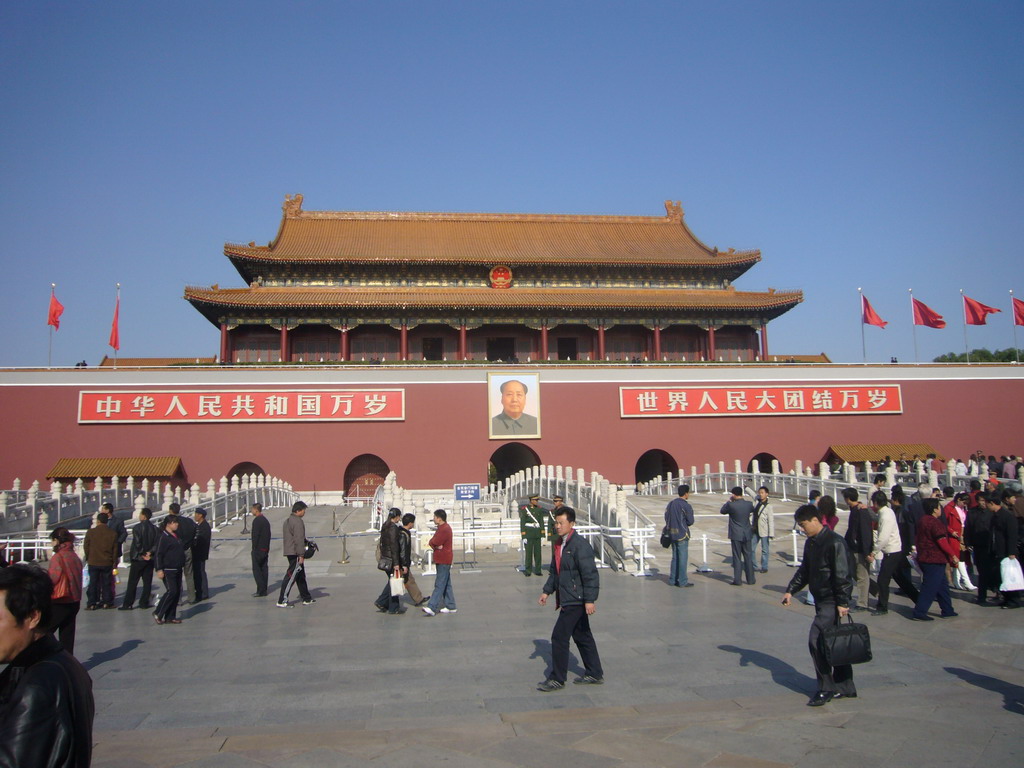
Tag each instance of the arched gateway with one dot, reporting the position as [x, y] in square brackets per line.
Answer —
[654, 463]
[511, 458]
[363, 474]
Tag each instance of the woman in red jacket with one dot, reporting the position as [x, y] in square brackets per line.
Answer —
[935, 548]
[66, 575]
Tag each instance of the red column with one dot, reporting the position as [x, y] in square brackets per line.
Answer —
[764, 341]
[344, 344]
[284, 343]
[225, 350]
[544, 341]
[657, 343]
[711, 344]
[462, 341]
[403, 346]
[600, 342]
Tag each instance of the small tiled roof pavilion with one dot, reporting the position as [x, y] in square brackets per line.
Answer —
[345, 285]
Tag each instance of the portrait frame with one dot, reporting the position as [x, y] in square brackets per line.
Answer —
[499, 425]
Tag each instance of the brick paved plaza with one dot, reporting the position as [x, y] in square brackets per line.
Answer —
[711, 676]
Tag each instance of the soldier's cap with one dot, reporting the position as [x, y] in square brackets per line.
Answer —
[557, 498]
[534, 497]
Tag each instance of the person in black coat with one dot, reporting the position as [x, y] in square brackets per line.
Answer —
[389, 539]
[200, 554]
[260, 550]
[144, 535]
[187, 536]
[1004, 539]
[46, 701]
[169, 560]
[860, 541]
[825, 570]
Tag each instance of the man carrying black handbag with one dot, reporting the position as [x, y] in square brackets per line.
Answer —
[825, 571]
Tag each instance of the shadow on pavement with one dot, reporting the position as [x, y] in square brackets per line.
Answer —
[542, 650]
[1013, 695]
[782, 673]
[113, 654]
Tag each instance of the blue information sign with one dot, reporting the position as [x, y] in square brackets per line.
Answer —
[467, 491]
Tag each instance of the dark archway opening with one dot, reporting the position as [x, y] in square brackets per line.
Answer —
[363, 475]
[509, 459]
[653, 463]
[764, 463]
[245, 468]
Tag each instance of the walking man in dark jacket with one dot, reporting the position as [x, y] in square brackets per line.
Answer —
[260, 550]
[187, 537]
[574, 581]
[46, 703]
[741, 534]
[860, 541]
[144, 535]
[825, 570]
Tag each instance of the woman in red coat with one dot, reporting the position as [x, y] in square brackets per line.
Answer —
[66, 575]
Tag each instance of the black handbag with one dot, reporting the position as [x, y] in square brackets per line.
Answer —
[666, 538]
[847, 643]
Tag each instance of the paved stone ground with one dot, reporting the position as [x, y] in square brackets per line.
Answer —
[711, 676]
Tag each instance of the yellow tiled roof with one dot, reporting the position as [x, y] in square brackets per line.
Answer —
[487, 238]
[857, 453]
[139, 467]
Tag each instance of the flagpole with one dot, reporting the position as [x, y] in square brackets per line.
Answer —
[963, 317]
[913, 324]
[53, 292]
[863, 344]
[1013, 324]
[117, 308]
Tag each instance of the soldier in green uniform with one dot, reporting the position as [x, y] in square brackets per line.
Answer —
[531, 529]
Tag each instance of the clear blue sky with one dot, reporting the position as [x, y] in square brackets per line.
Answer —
[872, 144]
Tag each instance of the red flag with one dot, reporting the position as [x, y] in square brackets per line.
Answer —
[56, 310]
[975, 312]
[925, 315]
[1018, 312]
[115, 337]
[869, 316]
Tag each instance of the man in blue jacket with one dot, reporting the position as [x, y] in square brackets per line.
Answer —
[678, 519]
[573, 579]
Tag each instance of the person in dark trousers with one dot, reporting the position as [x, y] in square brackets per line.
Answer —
[169, 560]
[741, 535]
[144, 536]
[891, 549]
[860, 541]
[1004, 539]
[932, 556]
[389, 539]
[825, 570]
[575, 583]
[678, 519]
[66, 574]
[117, 524]
[187, 536]
[260, 550]
[100, 547]
[294, 550]
[46, 702]
[978, 538]
[200, 554]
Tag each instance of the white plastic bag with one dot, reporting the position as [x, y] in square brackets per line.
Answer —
[397, 586]
[1013, 578]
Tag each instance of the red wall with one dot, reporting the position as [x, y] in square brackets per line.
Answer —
[444, 440]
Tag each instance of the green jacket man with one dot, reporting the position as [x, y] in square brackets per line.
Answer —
[532, 519]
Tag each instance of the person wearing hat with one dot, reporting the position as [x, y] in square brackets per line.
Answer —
[558, 503]
[531, 529]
